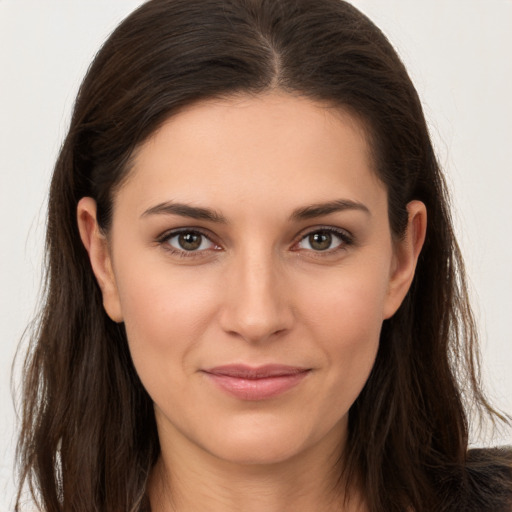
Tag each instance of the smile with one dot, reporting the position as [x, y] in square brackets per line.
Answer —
[264, 382]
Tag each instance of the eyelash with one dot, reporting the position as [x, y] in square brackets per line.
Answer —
[346, 240]
[164, 239]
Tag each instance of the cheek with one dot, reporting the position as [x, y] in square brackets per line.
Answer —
[166, 313]
[344, 317]
[349, 302]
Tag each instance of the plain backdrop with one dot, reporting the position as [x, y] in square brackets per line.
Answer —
[458, 54]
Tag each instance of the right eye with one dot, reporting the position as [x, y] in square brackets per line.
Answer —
[187, 242]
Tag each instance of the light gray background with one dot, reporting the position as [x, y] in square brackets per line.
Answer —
[458, 53]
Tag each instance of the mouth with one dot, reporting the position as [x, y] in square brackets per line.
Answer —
[256, 383]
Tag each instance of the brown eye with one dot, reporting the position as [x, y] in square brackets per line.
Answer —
[320, 241]
[189, 241]
[324, 240]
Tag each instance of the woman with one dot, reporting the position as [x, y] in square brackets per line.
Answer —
[255, 298]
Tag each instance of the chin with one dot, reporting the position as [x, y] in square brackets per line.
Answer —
[268, 441]
[257, 452]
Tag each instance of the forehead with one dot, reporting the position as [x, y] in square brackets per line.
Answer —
[275, 147]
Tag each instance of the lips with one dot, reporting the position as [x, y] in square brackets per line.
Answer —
[256, 383]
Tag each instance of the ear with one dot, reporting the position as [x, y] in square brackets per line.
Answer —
[406, 253]
[97, 247]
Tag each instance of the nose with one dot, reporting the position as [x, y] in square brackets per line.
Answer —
[256, 306]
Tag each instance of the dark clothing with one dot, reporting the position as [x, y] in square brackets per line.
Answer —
[487, 485]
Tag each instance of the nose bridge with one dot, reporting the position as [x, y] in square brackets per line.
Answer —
[256, 306]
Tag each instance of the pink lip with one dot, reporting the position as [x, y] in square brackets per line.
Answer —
[256, 383]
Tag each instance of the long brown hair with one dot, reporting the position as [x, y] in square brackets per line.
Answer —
[88, 440]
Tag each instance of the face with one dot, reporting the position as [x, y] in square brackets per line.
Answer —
[251, 260]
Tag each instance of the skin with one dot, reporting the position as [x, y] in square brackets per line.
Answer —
[257, 291]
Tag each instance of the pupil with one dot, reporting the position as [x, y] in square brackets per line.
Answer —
[320, 241]
[190, 241]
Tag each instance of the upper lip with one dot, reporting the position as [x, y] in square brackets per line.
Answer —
[242, 371]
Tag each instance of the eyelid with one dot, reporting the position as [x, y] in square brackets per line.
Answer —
[346, 237]
[171, 233]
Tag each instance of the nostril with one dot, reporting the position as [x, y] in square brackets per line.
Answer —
[250, 326]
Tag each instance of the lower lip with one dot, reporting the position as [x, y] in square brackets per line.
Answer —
[257, 389]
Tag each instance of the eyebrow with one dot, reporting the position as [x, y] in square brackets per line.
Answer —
[185, 210]
[304, 213]
[320, 209]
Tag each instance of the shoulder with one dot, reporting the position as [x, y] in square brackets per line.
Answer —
[488, 480]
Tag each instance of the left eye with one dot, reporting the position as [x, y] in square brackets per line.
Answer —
[190, 241]
[322, 240]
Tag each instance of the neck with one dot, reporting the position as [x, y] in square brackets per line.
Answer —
[203, 482]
